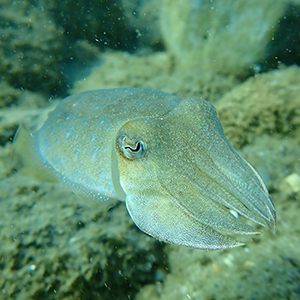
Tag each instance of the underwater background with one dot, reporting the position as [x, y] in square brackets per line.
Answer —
[242, 56]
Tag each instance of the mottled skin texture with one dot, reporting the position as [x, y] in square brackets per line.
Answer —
[78, 138]
[168, 159]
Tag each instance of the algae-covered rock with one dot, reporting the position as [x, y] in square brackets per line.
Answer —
[270, 130]
[35, 49]
[44, 43]
[265, 152]
[11, 96]
[155, 71]
[143, 16]
[272, 102]
[223, 36]
[30, 46]
[54, 247]
[121, 69]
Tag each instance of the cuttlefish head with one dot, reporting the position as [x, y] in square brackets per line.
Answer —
[185, 183]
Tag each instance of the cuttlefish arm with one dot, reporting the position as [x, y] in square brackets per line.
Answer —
[182, 178]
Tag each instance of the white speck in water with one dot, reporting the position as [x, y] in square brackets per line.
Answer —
[31, 268]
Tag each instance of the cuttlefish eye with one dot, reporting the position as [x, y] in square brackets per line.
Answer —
[132, 148]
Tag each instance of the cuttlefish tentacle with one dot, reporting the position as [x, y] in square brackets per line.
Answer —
[222, 163]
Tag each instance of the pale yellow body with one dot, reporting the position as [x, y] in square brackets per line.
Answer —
[168, 159]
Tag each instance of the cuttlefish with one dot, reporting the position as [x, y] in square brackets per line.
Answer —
[166, 157]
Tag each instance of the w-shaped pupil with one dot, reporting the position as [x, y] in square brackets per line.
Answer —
[136, 149]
